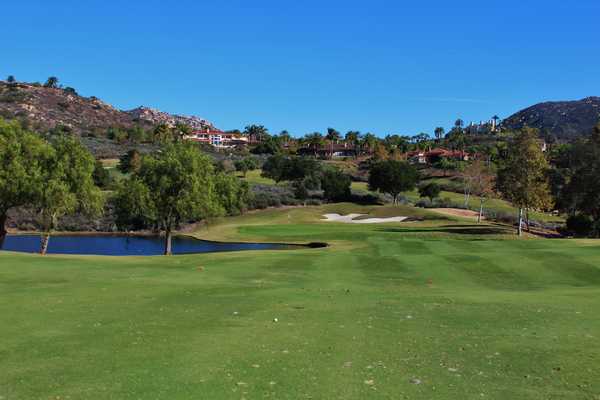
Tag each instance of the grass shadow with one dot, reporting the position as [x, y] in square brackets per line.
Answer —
[453, 230]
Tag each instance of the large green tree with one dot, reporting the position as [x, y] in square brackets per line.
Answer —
[66, 185]
[393, 177]
[20, 169]
[172, 186]
[523, 175]
[576, 180]
[335, 185]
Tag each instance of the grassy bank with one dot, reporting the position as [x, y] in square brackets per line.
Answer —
[438, 309]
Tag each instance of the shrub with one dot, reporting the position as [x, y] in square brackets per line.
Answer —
[335, 185]
[580, 225]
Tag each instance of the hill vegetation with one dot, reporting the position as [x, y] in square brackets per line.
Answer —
[558, 120]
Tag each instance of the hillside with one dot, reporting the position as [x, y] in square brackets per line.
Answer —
[559, 119]
[45, 108]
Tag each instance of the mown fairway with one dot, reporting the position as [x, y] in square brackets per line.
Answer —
[438, 309]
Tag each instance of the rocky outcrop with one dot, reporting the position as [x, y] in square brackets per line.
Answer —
[562, 120]
[45, 108]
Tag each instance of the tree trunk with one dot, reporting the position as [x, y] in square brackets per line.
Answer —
[520, 227]
[527, 220]
[168, 236]
[480, 211]
[44, 243]
[3, 232]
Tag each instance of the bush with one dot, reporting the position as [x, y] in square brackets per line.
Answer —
[335, 185]
[580, 225]
[101, 176]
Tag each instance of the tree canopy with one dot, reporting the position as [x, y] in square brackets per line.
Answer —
[523, 175]
[66, 185]
[21, 153]
[175, 185]
[393, 177]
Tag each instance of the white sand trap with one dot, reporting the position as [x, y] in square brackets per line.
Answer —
[350, 219]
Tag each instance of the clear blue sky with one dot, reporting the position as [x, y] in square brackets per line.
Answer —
[380, 66]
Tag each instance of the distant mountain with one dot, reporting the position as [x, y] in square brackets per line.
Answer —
[45, 108]
[560, 119]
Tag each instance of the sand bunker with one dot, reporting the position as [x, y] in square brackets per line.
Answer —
[350, 219]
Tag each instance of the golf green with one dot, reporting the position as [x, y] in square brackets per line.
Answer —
[437, 309]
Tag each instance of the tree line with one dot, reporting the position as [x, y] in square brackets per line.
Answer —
[55, 176]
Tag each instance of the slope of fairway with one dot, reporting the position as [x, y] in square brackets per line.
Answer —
[438, 309]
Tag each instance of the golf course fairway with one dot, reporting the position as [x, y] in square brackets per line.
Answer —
[435, 308]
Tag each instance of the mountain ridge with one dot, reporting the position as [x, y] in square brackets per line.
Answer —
[562, 120]
[46, 108]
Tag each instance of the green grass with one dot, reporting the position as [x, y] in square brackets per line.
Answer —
[497, 205]
[253, 177]
[466, 309]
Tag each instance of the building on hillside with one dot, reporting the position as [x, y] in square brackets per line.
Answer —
[218, 138]
[434, 155]
[329, 150]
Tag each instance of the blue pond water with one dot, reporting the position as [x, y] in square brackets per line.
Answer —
[122, 245]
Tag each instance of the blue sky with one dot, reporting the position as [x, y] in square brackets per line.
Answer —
[381, 66]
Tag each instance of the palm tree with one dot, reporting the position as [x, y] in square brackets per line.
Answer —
[333, 136]
[315, 141]
[353, 137]
[257, 132]
[495, 118]
[369, 140]
[52, 82]
[439, 132]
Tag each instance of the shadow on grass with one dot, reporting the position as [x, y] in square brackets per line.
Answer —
[454, 230]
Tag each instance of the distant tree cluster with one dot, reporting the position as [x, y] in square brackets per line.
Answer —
[308, 174]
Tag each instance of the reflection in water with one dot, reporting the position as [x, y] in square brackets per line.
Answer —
[125, 245]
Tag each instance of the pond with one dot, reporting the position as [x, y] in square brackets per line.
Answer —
[127, 245]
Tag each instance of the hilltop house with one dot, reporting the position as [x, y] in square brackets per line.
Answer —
[218, 138]
[434, 155]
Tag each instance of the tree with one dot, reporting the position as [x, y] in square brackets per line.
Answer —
[11, 79]
[333, 137]
[354, 138]
[335, 185]
[393, 177]
[273, 167]
[579, 190]
[52, 82]
[66, 185]
[430, 190]
[315, 141]
[368, 141]
[256, 132]
[523, 175]
[300, 191]
[246, 164]
[100, 175]
[268, 145]
[232, 193]
[180, 131]
[439, 133]
[172, 186]
[20, 175]
[130, 162]
[162, 134]
[481, 183]
[71, 90]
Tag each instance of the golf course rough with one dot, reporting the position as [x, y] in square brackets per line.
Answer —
[438, 309]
